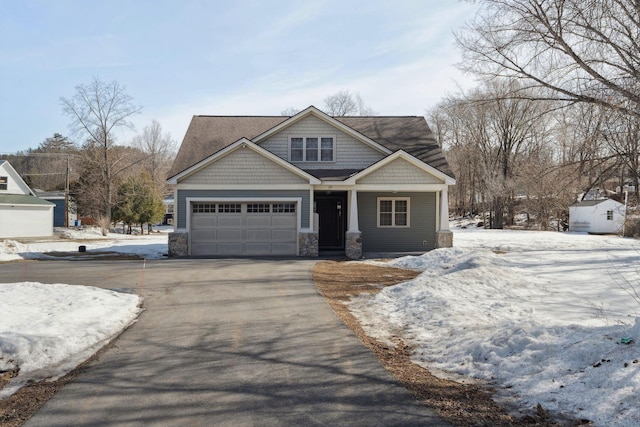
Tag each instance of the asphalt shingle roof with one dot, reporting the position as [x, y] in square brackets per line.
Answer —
[21, 199]
[207, 135]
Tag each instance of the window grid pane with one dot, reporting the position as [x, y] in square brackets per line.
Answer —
[297, 149]
[229, 208]
[312, 150]
[203, 208]
[258, 208]
[284, 207]
[386, 218]
[393, 212]
[326, 149]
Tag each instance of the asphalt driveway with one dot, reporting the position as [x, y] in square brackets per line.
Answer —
[223, 343]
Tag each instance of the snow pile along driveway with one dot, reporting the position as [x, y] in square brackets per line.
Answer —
[46, 330]
[545, 317]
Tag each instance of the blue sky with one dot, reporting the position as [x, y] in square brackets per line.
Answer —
[182, 58]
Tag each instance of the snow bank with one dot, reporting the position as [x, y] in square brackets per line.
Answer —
[47, 330]
[539, 315]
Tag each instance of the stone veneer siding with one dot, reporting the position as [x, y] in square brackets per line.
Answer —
[178, 244]
[308, 244]
[353, 245]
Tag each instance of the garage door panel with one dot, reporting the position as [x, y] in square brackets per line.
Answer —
[283, 235]
[230, 221]
[258, 248]
[230, 235]
[203, 221]
[256, 229]
[259, 221]
[204, 249]
[258, 235]
[230, 248]
[283, 248]
[282, 221]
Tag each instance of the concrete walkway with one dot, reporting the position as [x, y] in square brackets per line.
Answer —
[224, 343]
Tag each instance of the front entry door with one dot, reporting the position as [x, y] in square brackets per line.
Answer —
[332, 211]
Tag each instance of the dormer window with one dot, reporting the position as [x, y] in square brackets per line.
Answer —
[312, 149]
[4, 182]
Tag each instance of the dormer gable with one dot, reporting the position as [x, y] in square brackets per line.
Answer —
[314, 112]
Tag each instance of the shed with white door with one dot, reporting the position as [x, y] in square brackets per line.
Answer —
[605, 216]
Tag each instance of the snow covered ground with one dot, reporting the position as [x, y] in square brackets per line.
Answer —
[544, 317]
[46, 330]
[147, 246]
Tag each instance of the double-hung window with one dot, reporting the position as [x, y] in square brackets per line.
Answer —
[312, 149]
[393, 212]
[609, 215]
[4, 182]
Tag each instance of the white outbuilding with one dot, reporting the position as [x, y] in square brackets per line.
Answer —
[604, 216]
[21, 213]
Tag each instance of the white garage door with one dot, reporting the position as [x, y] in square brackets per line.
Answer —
[259, 228]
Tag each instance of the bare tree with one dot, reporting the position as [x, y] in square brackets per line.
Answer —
[290, 111]
[490, 137]
[579, 51]
[96, 111]
[340, 104]
[344, 103]
[159, 151]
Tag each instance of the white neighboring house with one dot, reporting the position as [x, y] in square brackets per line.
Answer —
[21, 213]
[604, 216]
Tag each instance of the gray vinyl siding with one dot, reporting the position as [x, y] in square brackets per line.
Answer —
[399, 171]
[350, 153]
[422, 220]
[181, 204]
[243, 166]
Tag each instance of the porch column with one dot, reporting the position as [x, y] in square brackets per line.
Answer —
[444, 210]
[353, 212]
[443, 235]
[353, 241]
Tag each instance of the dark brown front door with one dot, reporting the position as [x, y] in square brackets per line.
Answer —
[332, 211]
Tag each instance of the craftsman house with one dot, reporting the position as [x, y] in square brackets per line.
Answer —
[301, 185]
[21, 213]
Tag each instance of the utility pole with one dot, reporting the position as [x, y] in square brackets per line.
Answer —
[66, 197]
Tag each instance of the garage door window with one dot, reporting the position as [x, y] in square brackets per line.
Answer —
[258, 208]
[229, 208]
[284, 207]
[203, 207]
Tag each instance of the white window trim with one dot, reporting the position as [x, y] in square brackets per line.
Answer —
[393, 211]
[304, 149]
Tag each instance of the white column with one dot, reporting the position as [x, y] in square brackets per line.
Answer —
[444, 210]
[353, 212]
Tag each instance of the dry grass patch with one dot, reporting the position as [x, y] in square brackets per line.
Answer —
[459, 404]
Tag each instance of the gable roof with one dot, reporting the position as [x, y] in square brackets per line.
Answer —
[22, 200]
[593, 202]
[207, 135]
[16, 178]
